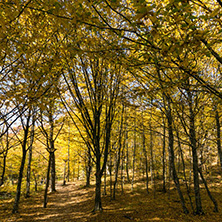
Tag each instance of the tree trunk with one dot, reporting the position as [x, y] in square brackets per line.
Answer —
[104, 188]
[127, 157]
[3, 169]
[110, 175]
[184, 169]
[118, 154]
[164, 156]
[24, 152]
[146, 161]
[218, 138]
[152, 170]
[88, 168]
[36, 182]
[208, 191]
[28, 175]
[64, 174]
[192, 136]
[134, 157]
[47, 181]
[171, 150]
[53, 172]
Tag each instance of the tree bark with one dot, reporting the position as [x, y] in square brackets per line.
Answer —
[193, 143]
[171, 150]
[53, 172]
[47, 181]
[164, 156]
[218, 138]
[118, 154]
[28, 175]
[24, 151]
[146, 160]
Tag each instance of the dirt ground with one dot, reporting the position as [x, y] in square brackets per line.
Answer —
[74, 203]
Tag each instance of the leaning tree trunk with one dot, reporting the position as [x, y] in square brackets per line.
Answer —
[24, 151]
[218, 138]
[208, 191]
[171, 150]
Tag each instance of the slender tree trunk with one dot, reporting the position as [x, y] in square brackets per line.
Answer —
[110, 175]
[104, 188]
[64, 173]
[28, 175]
[127, 157]
[47, 181]
[24, 152]
[36, 182]
[134, 156]
[192, 135]
[146, 161]
[3, 169]
[218, 138]
[152, 170]
[88, 168]
[19, 185]
[208, 191]
[164, 156]
[171, 150]
[118, 154]
[184, 169]
[68, 163]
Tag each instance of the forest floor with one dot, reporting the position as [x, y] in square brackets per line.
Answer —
[74, 202]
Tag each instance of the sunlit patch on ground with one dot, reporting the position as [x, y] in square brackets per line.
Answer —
[75, 203]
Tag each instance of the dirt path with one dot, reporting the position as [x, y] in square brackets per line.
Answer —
[73, 203]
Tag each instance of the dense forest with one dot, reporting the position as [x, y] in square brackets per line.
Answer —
[113, 98]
